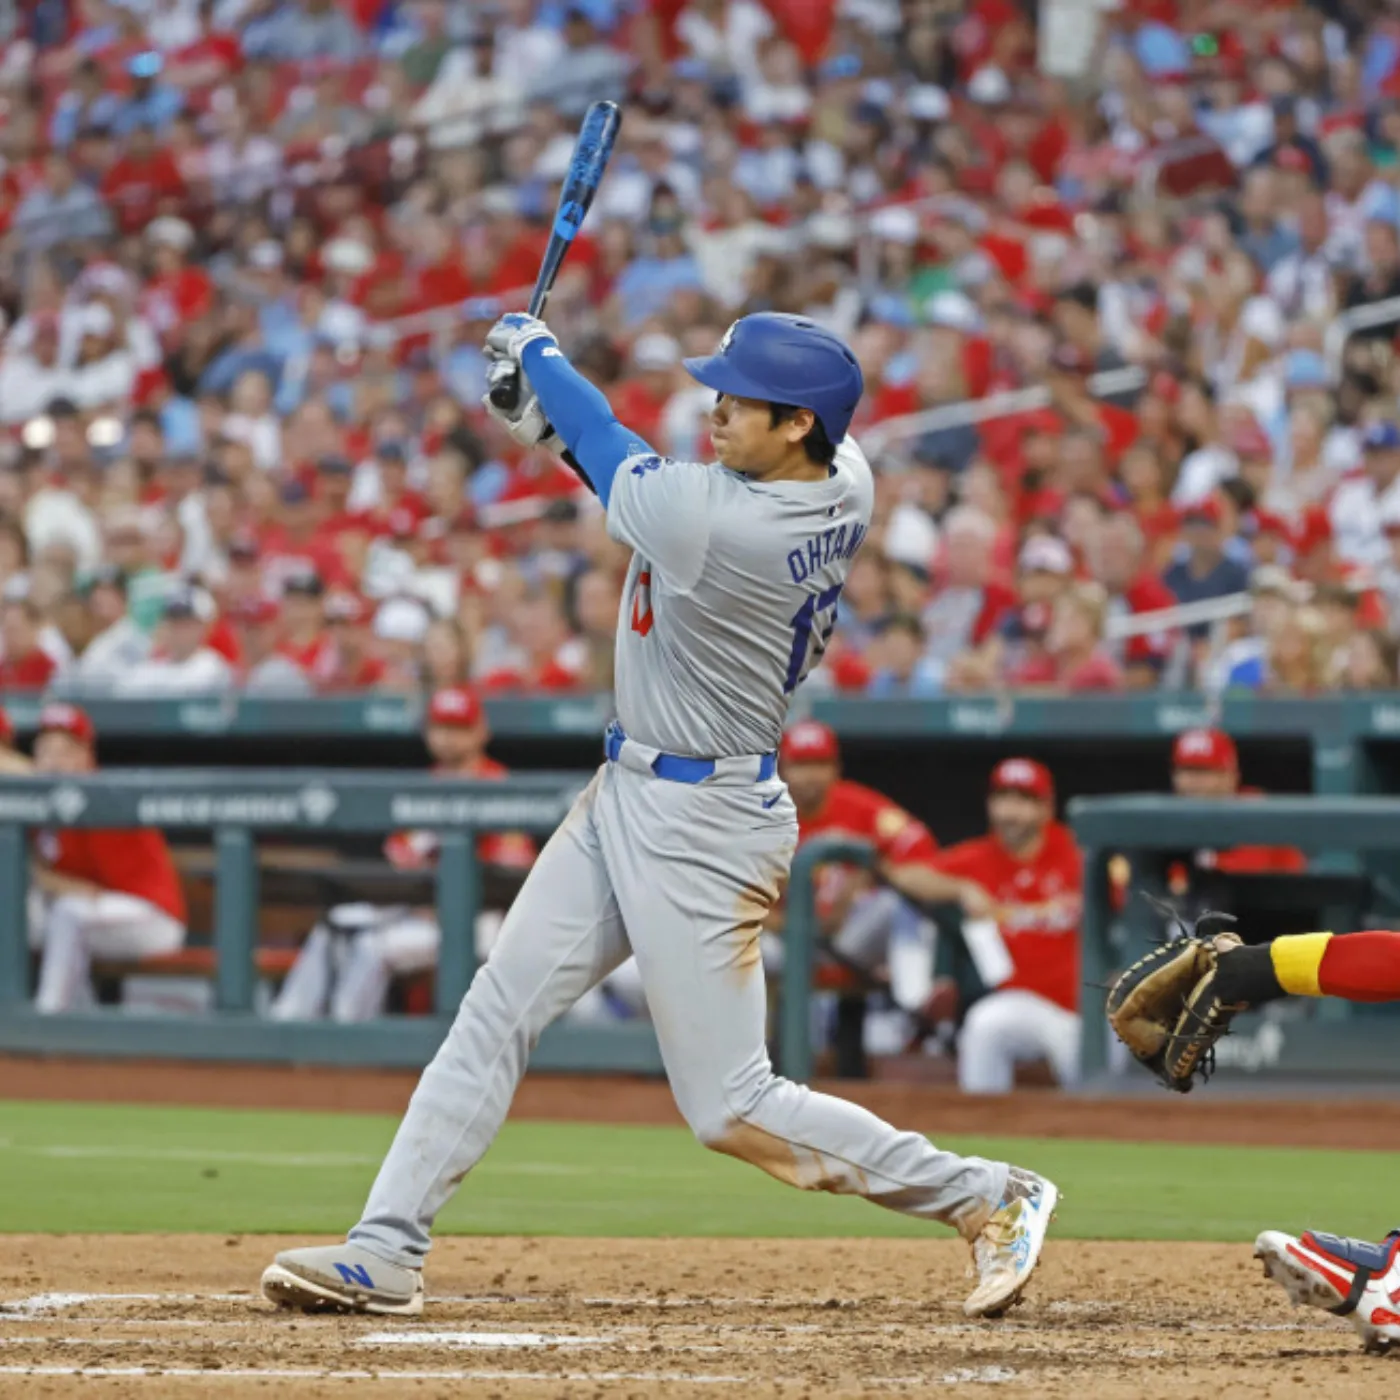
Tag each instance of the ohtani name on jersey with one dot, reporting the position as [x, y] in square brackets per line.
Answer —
[840, 542]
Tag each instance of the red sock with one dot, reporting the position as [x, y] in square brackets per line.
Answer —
[1362, 966]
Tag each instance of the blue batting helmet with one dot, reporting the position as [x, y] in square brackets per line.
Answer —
[789, 360]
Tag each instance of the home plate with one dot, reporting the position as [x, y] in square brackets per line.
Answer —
[498, 1340]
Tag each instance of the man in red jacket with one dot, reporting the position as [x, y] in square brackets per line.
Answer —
[99, 894]
[352, 955]
[865, 922]
[1030, 867]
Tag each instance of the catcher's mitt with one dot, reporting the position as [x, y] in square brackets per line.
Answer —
[1166, 1009]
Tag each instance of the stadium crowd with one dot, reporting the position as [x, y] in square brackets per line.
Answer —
[249, 250]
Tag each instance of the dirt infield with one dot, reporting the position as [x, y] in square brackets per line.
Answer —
[145, 1318]
[1155, 1117]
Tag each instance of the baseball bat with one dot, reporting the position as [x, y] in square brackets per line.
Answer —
[592, 150]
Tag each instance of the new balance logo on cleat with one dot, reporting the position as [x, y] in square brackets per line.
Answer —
[354, 1273]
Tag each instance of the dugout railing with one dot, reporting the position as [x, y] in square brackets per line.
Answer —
[241, 807]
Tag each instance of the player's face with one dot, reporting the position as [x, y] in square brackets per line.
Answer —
[809, 783]
[57, 752]
[1016, 818]
[745, 438]
[1204, 782]
[455, 746]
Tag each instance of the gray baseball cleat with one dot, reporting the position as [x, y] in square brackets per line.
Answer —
[342, 1278]
[1007, 1248]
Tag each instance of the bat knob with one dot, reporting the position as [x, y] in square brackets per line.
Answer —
[505, 386]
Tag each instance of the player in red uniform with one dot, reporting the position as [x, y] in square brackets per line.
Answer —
[1205, 763]
[866, 924]
[94, 893]
[1031, 869]
[351, 956]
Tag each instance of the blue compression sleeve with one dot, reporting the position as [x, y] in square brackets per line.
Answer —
[582, 417]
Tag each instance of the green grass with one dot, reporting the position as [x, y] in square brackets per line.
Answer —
[85, 1167]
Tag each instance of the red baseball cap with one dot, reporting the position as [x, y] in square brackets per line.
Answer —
[1023, 775]
[7, 730]
[1211, 749]
[60, 717]
[456, 705]
[810, 741]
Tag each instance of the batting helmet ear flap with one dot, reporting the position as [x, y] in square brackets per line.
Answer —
[778, 358]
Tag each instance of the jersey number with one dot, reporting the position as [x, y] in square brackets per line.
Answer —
[816, 615]
[641, 603]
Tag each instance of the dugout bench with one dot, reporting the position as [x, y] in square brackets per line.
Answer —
[297, 884]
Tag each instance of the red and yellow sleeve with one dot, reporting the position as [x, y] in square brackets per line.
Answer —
[1355, 966]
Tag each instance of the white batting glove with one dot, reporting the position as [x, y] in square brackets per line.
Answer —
[513, 332]
[526, 422]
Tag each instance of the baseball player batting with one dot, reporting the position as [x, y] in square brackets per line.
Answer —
[681, 843]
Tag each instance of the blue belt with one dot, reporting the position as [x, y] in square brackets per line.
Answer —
[677, 769]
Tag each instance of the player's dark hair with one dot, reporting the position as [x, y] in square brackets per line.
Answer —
[816, 444]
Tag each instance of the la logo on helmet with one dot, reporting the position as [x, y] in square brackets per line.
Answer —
[727, 339]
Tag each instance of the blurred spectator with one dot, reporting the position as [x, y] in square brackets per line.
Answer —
[1369, 662]
[280, 231]
[117, 645]
[182, 662]
[1204, 571]
[59, 210]
[971, 601]
[264, 669]
[1363, 504]
[301, 30]
[1020, 651]
[897, 661]
[350, 663]
[24, 664]
[1119, 562]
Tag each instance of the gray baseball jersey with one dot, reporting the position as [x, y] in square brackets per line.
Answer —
[730, 598]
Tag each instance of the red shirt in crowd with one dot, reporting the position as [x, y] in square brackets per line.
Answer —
[170, 302]
[32, 671]
[1039, 906]
[134, 190]
[135, 862]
